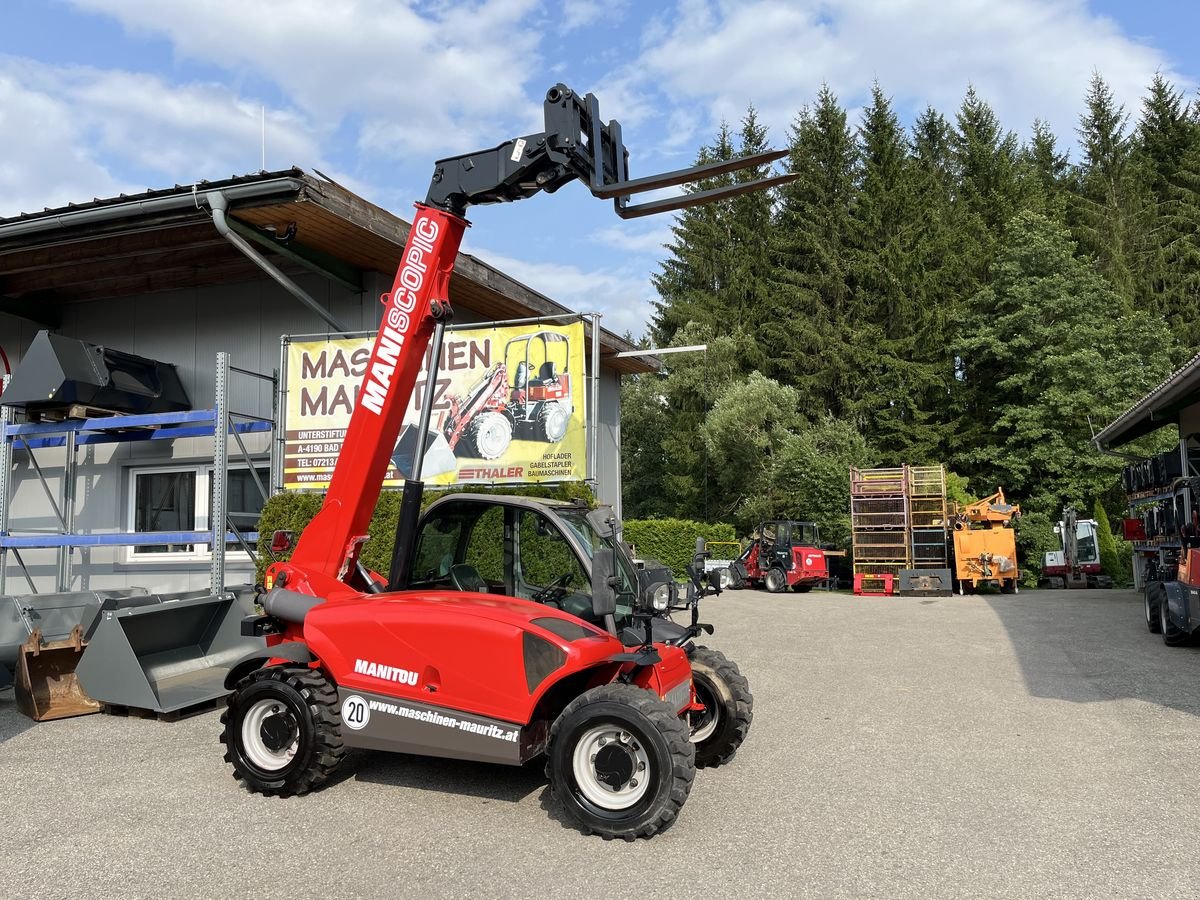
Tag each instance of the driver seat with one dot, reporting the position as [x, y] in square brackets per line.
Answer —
[467, 578]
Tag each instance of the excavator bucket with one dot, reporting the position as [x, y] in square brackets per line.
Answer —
[168, 656]
[46, 685]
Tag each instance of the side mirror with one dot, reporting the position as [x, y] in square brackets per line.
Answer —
[604, 593]
[602, 520]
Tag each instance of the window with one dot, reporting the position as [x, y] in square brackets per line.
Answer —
[164, 501]
[180, 499]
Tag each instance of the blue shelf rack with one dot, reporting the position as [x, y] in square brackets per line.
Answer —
[219, 423]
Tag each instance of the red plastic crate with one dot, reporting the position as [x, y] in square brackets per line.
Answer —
[874, 585]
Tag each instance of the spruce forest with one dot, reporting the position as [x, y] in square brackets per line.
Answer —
[944, 293]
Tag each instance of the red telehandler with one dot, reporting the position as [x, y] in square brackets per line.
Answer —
[353, 662]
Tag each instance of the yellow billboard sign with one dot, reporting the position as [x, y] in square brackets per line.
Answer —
[509, 407]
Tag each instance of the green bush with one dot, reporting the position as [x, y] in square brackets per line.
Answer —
[673, 541]
[291, 511]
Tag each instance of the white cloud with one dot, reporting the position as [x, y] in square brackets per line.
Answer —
[119, 125]
[623, 238]
[579, 13]
[623, 297]
[1026, 57]
[420, 82]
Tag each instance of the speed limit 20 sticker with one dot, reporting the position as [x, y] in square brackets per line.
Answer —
[355, 712]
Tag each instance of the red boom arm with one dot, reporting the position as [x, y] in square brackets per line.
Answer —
[330, 545]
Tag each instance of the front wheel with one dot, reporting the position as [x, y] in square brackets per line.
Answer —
[1172, 634]
[620, 762]
[719, 730]
[282, 732]
[776, 580]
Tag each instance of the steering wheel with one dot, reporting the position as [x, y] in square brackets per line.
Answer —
[554, 590]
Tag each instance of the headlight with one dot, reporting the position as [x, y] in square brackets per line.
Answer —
[662, 597]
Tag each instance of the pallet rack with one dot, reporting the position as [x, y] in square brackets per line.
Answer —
[220, 423]
[898, 521]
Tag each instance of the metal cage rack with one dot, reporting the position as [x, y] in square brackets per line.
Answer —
[898, 521]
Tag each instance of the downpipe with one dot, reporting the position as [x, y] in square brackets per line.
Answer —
[219, 205]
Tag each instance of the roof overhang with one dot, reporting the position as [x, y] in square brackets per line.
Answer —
[1158, 408]
[165, 240]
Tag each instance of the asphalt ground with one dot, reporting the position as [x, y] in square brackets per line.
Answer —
[1040, 745]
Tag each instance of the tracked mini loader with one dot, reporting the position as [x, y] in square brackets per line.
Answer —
[467, 673]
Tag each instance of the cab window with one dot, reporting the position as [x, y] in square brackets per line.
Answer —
[485, 547]
[437, 547]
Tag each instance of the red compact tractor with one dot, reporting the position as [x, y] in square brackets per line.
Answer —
[782, 555]
[536, 405]
[469, 673]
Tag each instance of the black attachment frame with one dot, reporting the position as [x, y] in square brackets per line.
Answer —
[578, 145]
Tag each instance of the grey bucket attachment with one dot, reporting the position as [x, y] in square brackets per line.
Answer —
[57, 373]
[41, 639]
[925, 583]
[438, 458]
[166, 657]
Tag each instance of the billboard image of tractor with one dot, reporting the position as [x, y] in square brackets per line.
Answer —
[527, 395]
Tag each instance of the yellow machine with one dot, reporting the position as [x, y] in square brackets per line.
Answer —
[985, 544]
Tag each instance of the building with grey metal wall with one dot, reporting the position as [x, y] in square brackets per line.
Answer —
[173, 275]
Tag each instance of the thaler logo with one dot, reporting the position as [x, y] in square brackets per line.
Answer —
[387, 673]
[398, 316]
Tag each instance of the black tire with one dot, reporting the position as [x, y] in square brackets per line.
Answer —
[729, 708]
[302, 705]
[1172, 635]
[802, 588]
[486, 437]
[1153, 596]
[552, 421]
[776, 580]
[657, 742]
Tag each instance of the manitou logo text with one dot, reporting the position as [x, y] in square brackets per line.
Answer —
[397, 317]
[387, 673]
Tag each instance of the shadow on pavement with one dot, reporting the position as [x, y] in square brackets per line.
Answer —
[508, 784]
[12, 722]
[1088, 646]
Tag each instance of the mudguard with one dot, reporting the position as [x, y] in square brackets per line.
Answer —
[294, 651]
[1177, 596]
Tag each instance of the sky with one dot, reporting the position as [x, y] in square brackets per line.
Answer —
[101, 97]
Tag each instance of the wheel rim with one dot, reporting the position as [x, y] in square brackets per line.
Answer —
[704, 724]
[494, 437]
[270, 735]
[556, 423]
[611, 767]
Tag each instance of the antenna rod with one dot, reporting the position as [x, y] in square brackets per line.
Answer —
[263, 120]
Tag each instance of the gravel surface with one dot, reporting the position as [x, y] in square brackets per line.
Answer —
[1029, 746]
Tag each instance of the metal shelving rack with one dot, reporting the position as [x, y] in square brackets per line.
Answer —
[879, 515]
[926, 486]
[220, 423]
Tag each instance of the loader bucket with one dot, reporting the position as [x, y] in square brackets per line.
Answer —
[166, 657]
[47, 686]
[437, 459]
[42, 637]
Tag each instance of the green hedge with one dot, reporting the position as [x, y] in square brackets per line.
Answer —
[673, 541]
[292, 511]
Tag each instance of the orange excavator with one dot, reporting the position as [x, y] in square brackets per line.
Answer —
[985, 544]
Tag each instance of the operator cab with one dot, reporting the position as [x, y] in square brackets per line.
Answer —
[517, 551]
[788, 534]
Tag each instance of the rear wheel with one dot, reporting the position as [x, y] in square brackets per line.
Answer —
[552, 421]
[620, 762]
[1153, 596]
[776, 580]
[488, 436]
[282, 732]
[719, 730]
